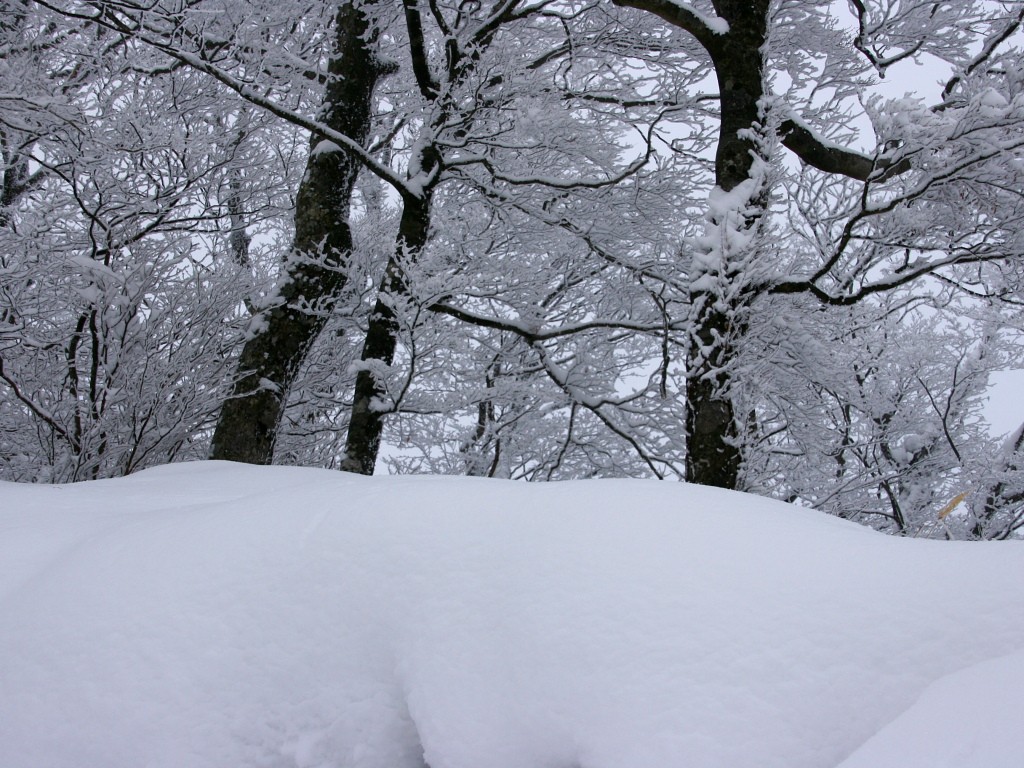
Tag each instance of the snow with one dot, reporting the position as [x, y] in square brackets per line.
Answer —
[325, 147]
[992, 101]
[716, 24]
[269, 385]
[258, 324]
[96, 269]
[970, 719]
[216, 614]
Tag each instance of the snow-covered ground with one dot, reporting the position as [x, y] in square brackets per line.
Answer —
[211, 615]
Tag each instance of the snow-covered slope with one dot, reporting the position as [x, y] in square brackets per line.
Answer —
[215, 614]
[969, 719]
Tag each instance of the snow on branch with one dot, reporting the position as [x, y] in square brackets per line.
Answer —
[987, 52]
[705, 28]
[138, 29]
[829, 157]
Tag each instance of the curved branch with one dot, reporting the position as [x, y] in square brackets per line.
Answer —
[861, 42]
[594, 406]
[831, 158]
[565, 184]
[428, 86]
[531, 336]
[679, 15]
[897, 280]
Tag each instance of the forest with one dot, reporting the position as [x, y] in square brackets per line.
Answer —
[538, 240]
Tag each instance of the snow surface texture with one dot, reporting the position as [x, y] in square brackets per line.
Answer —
[211, 615]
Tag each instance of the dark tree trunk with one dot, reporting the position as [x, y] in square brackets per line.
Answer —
[713, 452]
[315, 271]
[367, 421]
[368, 404]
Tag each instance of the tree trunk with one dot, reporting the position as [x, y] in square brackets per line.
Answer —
[367, 420]
[713, 451]
[315, 270]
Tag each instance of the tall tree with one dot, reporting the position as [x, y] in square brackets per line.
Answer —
[731, 266]
[315, 272]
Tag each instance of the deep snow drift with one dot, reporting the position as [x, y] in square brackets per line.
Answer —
[211, 615]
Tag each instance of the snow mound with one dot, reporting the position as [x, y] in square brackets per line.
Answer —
[214, 614]
[969, 719]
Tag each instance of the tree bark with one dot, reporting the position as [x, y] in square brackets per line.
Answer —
[315, 270]
[713, 451]
[367, 419]
[714, 455]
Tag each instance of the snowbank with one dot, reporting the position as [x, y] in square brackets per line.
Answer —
[969, 719]
[225, 615]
